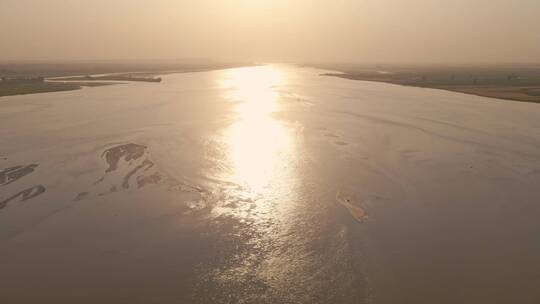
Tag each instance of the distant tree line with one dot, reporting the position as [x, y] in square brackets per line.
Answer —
[18, 80]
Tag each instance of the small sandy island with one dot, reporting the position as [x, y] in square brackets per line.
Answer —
[348, 202]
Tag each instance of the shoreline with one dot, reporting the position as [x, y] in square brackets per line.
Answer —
[7, 90]
[73, 79]
[508, 92]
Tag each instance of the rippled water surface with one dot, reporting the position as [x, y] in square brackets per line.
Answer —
[268, 184]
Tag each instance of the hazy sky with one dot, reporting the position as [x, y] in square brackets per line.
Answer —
[442, 31]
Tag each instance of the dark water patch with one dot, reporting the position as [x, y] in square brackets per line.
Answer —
[127, 152]
[332, 135]
[12, 174]
[153, 179]
[24, 195]
[81, 196]
[534, 172]
[146, 164]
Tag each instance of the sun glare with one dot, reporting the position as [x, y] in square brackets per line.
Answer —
[258, 144]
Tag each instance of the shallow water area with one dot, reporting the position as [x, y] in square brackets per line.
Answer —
[268, 184]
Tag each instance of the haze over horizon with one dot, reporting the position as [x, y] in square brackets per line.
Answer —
[384, 31]
[269, 151]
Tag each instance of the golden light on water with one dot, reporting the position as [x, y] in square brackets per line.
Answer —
[254, 90]
[255, 151]
[260, 147]
[262, 186]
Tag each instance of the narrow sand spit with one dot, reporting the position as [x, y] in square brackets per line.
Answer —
[24, 195]
[12, 174]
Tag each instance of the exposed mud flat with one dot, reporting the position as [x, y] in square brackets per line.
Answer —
[24, 195]
[129, 166]
[12, 175]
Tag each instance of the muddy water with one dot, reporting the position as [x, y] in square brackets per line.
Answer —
[268, 184]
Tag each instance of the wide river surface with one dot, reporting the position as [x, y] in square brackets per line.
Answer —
[268, 184]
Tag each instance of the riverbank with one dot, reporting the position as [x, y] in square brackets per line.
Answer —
[32, 78]
[13, 88]
[509, 83]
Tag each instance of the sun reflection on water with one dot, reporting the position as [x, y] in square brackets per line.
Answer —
[260, 147]
[254, 90]
[261, 188]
